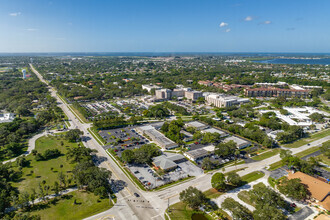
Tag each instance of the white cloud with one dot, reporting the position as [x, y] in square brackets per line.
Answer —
[14, 14]
[248, 18]
[31, 29]
[267, 22]
[223, 24]
[227, 30]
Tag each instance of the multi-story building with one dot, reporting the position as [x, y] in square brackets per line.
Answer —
[276, 92]
[163, 94]
[178, 93]
[193, 95]
[223, 101]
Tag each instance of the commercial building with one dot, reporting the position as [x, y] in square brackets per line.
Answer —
[163, 94]
[276, 92]
[197, 125]
[213, 130]
[223, 101]
[193, 95]
[200, 153]
[241, 143]
[168, 163]
[150, 87]
[6, 117]
[24, 73]
[186, 136]
[319, 190]
[178, 93]
[157, 137]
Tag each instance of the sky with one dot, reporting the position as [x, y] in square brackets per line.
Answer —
[165, 26]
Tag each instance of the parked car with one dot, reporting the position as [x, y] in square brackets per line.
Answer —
[136, 195]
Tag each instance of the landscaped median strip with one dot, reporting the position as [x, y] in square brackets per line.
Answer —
[95, 136]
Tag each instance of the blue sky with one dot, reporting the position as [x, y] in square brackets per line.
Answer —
[164, 26]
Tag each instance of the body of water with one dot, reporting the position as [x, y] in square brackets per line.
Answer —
[321, 61]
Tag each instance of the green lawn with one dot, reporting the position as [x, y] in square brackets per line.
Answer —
[87, 204]
[245, 197]
[212, 193]
[275, 165]
[181, 211]
[42, 169]
[307, 140]
[267, 154]
[271, 182]
[307, 152]
[252, 176]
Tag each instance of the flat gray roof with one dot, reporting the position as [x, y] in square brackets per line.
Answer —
[196, 124]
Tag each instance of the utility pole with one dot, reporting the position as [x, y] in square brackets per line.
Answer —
[168, 205]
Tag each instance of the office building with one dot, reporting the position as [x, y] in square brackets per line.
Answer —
[223, 101]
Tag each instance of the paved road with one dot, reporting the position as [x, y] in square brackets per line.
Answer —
[152, 205]
[128, 206]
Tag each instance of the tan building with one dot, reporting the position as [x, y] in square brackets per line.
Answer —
[163, 94]
[193, 95]
[222, 101]
[276, 92]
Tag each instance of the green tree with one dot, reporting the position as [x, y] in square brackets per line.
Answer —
[293, 188]
[234, 179]
[218, 181]
[193, 197]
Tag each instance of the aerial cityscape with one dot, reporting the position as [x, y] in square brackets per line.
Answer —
[164, 110]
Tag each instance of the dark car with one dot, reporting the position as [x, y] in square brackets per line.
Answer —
[293, 205]
[136, 195]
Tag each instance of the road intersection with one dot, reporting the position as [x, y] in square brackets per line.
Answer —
[153, 204]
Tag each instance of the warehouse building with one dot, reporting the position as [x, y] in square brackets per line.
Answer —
[241, 143]
[197, 125]
[157, 137]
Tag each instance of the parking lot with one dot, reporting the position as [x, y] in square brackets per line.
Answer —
[151, 179]
[129, 139]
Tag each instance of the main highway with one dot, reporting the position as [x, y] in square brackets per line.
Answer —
[150, 205]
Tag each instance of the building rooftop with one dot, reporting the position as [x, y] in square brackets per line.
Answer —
[197, 153]
[213, 130]
[237, 140]
[196, 124]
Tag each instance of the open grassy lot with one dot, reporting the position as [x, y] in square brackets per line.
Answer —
[267, 154]
[47, 170]
[87, 204]
[307, 140]
[252, 176]
[275, 165]
[181, 211]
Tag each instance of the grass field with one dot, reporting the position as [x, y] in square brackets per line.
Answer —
[213, 193]
[307, 140]
[42, 169]
[275, 165]
[87, 204]
[245, 197]
[181, 211]
[267, 154]
[252, 176]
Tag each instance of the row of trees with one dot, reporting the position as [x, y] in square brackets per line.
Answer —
[141, 155]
